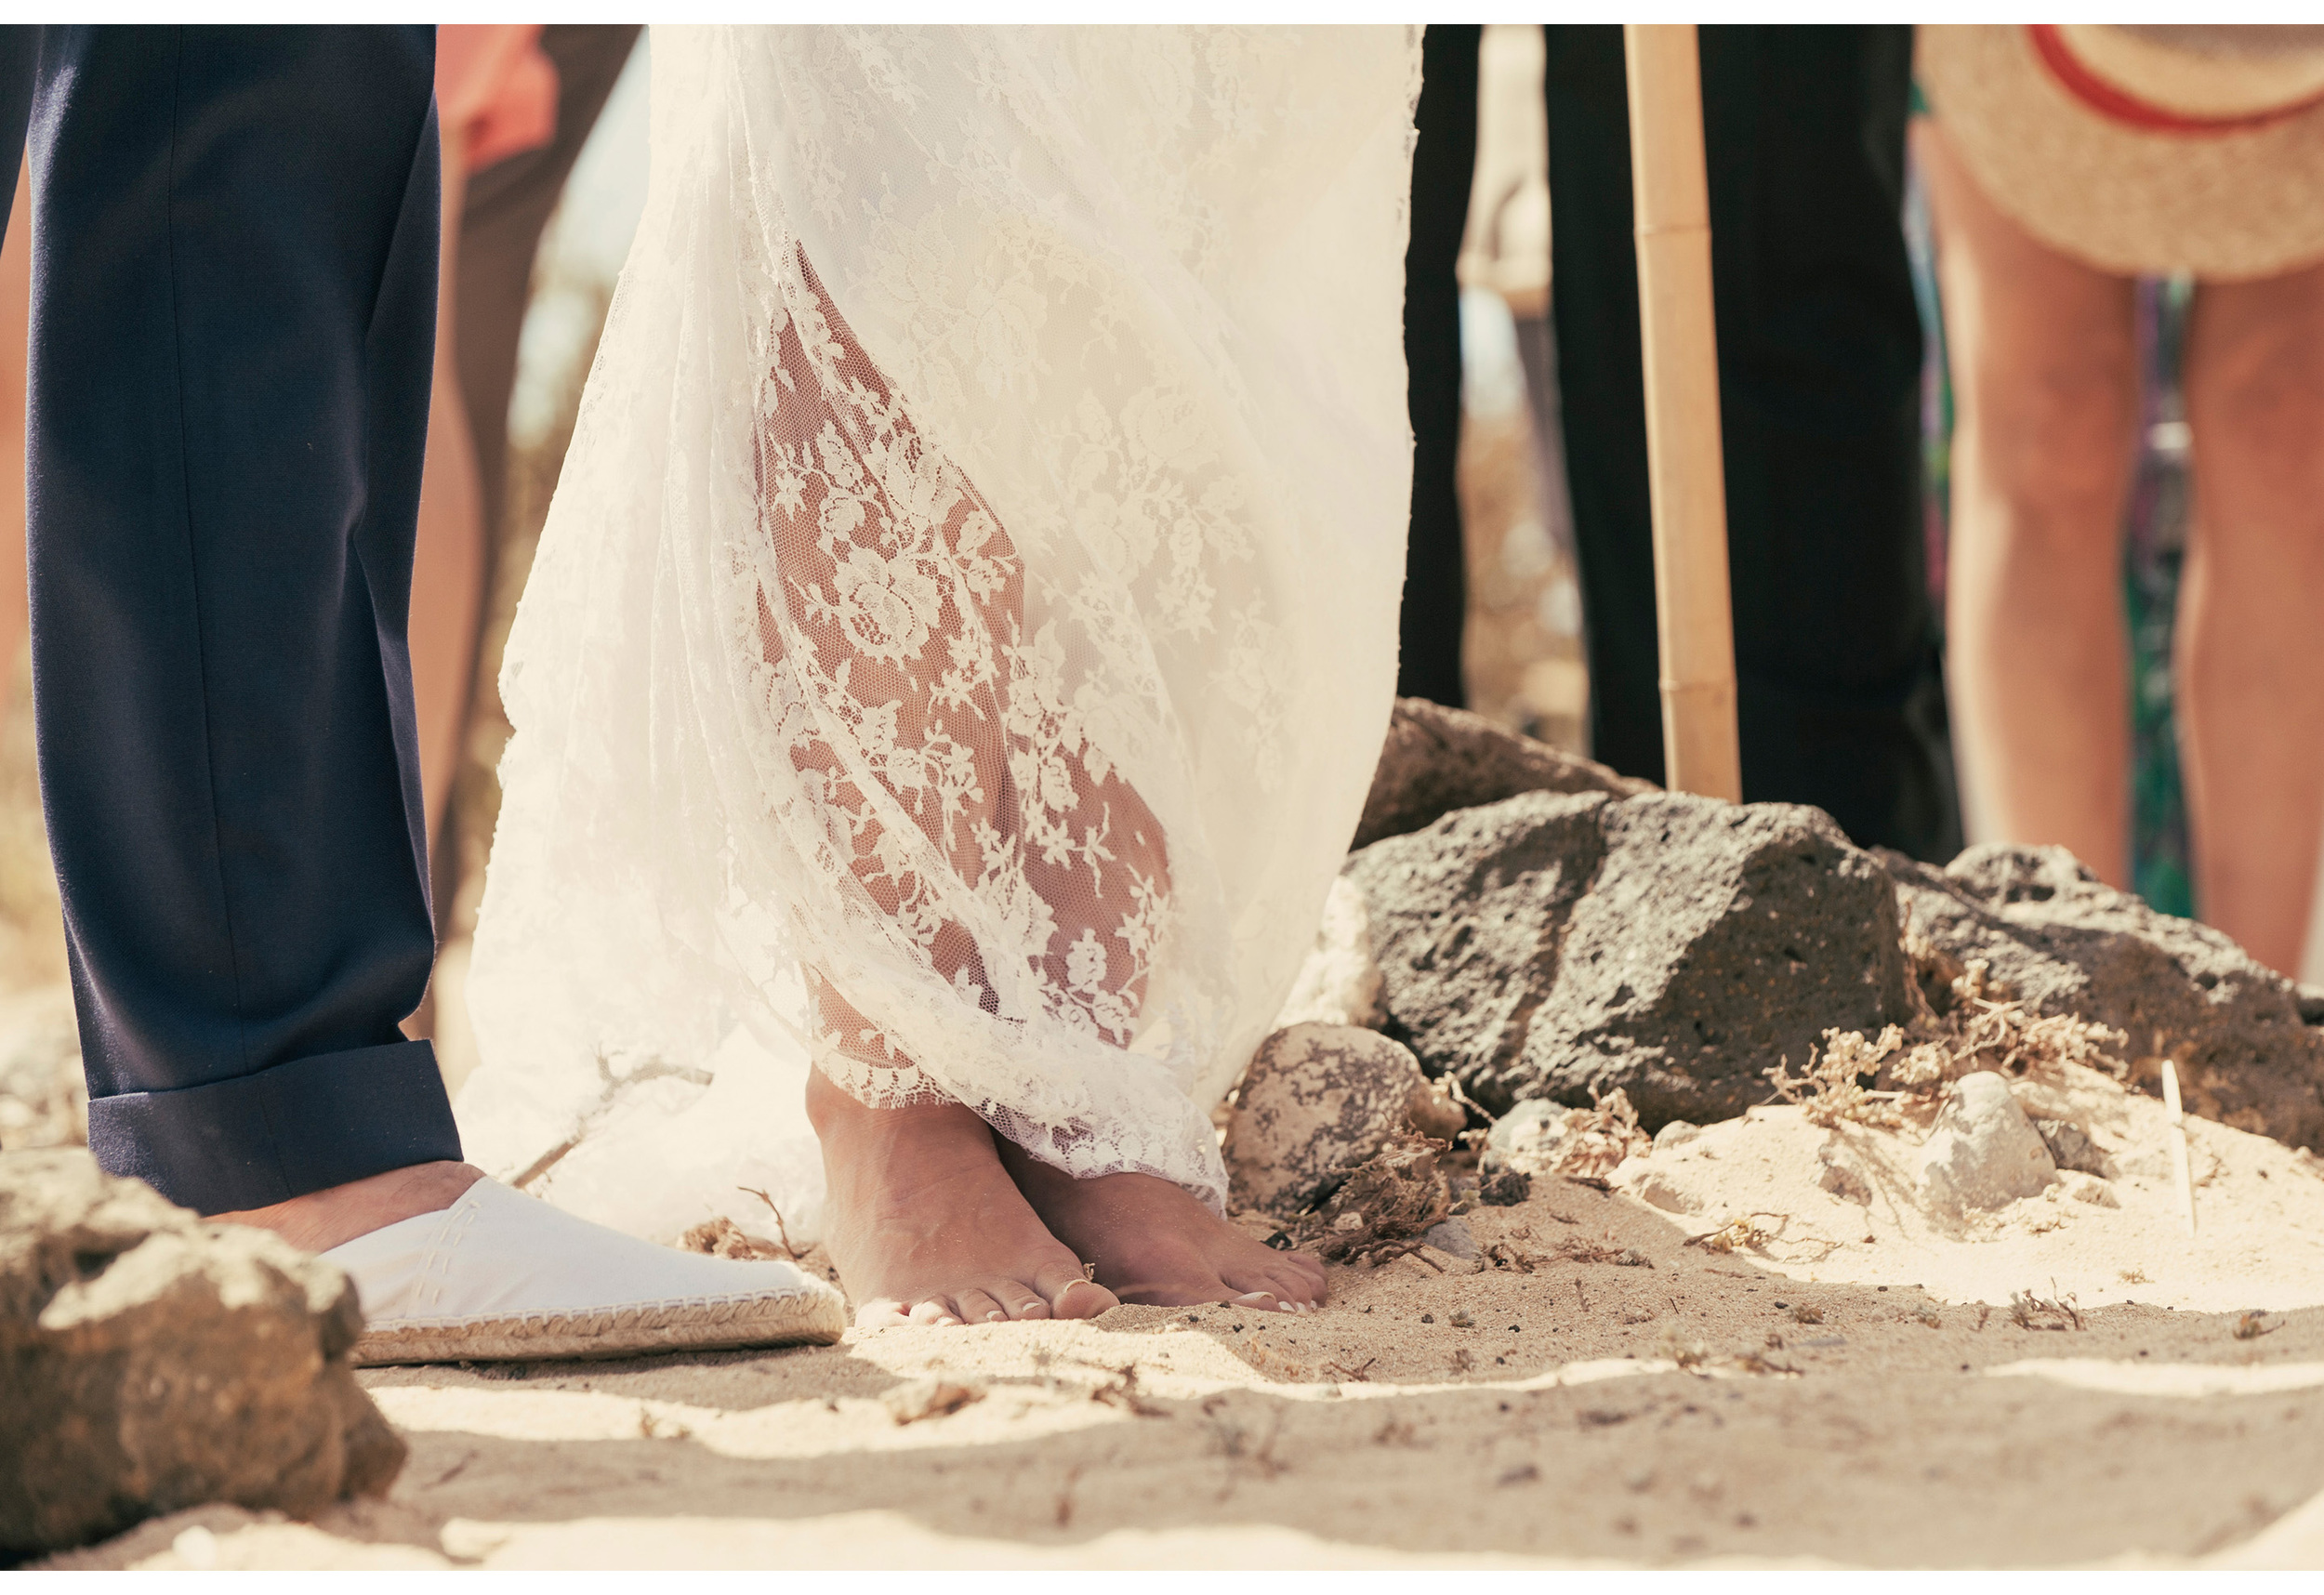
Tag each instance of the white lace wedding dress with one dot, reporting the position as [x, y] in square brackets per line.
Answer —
[965, 624]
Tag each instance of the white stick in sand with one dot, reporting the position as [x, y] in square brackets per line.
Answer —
[2178, 1171]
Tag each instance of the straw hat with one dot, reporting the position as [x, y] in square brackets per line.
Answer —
[2143, 150]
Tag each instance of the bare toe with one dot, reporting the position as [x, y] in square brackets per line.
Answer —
[1075, 1296]
[1023, 1301]
[1152, 1241]
[884, 1313]
[1305, 1267]
[1297, 1285]
[977, 1307]
[1262, 1278]
[927, 1226]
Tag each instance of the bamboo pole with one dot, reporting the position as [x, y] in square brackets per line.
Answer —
[1701, 752]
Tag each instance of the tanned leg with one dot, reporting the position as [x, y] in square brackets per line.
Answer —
[1152, 1242]
[927, 1226]
[448, 557]
[2045, 385]
[2251, 650]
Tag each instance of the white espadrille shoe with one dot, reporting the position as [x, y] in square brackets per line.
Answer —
[500, 1276]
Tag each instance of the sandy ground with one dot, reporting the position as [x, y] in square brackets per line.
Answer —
[1823, 1400]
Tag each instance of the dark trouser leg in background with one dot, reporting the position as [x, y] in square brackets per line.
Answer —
[1443, 163]
[1841, 696]
[233, 304]
[508, 204]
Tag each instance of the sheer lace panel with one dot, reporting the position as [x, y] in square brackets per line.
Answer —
[901, 613]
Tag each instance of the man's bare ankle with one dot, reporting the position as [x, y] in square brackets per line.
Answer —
[337, 1214]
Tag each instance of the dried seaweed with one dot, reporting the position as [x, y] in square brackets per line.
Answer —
[1696, 1357]
[722, 1238]
[1384, 1205]
[1600, 1137]
[1581, 1250]
[1508, 1259]
[2030, 1311]
[1982, 1028]
[1735, 1235]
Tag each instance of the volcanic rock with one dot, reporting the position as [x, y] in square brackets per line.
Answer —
[2249, 1043]
[1560, 946]
[151, 1362]
[1509, 1188]
[1438, 760]
[2070, 1147]
[1318, 1101]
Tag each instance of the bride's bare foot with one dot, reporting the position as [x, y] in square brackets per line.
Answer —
[1153, 1242]
[926, 1225]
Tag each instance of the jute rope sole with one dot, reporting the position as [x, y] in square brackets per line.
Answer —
[711, 1323]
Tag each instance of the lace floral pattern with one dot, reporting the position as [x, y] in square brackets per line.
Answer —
[931, 736]
[972, 584]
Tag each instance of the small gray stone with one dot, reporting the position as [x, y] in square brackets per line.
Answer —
[2089, 1188]
[152, 1362]
[2070, 1147]
[1984, 1151]
[1523, 1134]
[1842, 1175]
[928, 1398]
[1507, 1188]
[1434, 1113]
[1678, 1133]
[1654, 1187]
[1317, 1100]
[1454, 1238]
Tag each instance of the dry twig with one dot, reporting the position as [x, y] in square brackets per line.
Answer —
[2030, 1311]
[1575, 1248]
[1384, 1206]
[788, 1250]
[1733, 1235]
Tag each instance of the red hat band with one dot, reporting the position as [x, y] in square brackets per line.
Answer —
[2120, 105]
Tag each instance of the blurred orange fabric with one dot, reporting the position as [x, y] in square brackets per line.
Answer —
[496, 90]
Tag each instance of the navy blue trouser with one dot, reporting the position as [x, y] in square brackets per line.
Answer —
[234, 237]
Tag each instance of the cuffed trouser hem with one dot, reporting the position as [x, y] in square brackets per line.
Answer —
[266, 1138]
